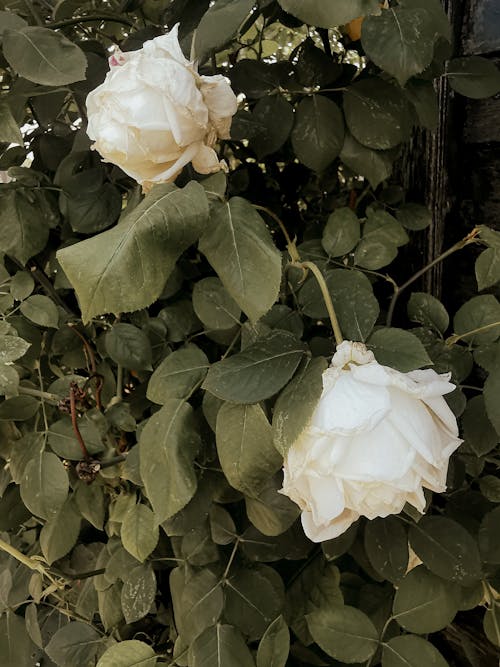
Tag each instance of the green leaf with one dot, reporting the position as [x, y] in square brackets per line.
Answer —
[41, 310]
[9, 129]
[296, 404]
[219, 24]
[178, 374]
[345, 633]
[16, 648]
[382, 235]
[341, 232]
[428, 311]
[490, 488]
[258, 372]
[253, 598]
[139, 531]
[90, 501]
[414, 216]
[491, 392]
[400, 41]
[488, 268]
[12, 347]
[240, 249]
[423, 97]
[374, 165]
[129, 653]
[275, 645]
[329, 14]
[44, 56]
[274, 117]
[489, 539]
[376, 113]
[63, 441]
[386, 545]
[318, 133]
[10, 21]
[478, 312]
[56, 543]
[138, 593]
[198, 601]
[9, 380]
[398, 349]
[447, 549]
[129, 347]
[214, 306]
[45, 485]
[411, 651]
[74, 644]
[167, 446]
[221, 645]
[23, 231]
[491, 624]
[245, 447]
[474, 77]
[125, 268]
[19, 408]
[424, 602]
[21, 285]
[479, 433]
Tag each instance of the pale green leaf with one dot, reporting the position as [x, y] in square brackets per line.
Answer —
[128, 653]
[74, 644]
[139, 531]
[41, 310]
[275, 645]
[178, 374]
[138, 593]
[9, 129]
[345, 633]
[45, 485]
[56, 543]
[411, 651]
[221, 645]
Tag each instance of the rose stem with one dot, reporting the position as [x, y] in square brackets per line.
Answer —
[470, 238]
[74, 422]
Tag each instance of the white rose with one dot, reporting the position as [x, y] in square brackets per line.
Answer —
[154, 113]
[376, 437]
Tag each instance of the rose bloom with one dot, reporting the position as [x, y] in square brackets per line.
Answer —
[154, 113]
[376, 437]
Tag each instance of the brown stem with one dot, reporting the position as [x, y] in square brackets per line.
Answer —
[74, 422]
[89, 352]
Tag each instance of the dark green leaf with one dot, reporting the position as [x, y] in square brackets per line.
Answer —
[271, 512]
[428, 311]
[345, 633]
[15, 645]
[56, 543]
[214, 306]
[224, 645]
[479, 433]
[386, 545]
[125, 268]
[198, 601]
[178, 374]
[411, 651]
[275, 115]
[414, 216]
[245, 447]
[128, 653]
[138, 593]
[19, 408]
[376, 113]
[318, 133]
[239, 247]
[400, 41]
[329, 14]
[45, 485]
[491, 624]
[274, 645]
[489, 538]
[129, 347]
[9, 129]
[341, 233]
[398, 349]
[491, 393]
[41, 310]
[219, 24]
[168, 444]
[296, 404]
[139, 531]
[374, 165]
[23, 232]
[480, 311]
[74, 644]
[447, 549]
[488, 268]
[474, 77]
[424, 602]
[44, 56]
[258, 372]
[12, 347]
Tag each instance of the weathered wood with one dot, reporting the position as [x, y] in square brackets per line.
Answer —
[481, 27]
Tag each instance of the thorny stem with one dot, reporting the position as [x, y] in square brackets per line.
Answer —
[470, 238]
[74, 422]
[454, 338]
[326, 297]
[93, 368]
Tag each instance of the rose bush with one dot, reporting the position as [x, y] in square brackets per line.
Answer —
[376, 437]
[154, 113]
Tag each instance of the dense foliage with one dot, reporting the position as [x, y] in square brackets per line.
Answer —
[159, 354]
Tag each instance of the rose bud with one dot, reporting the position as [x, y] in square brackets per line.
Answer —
[154, 113]
[376, 439]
